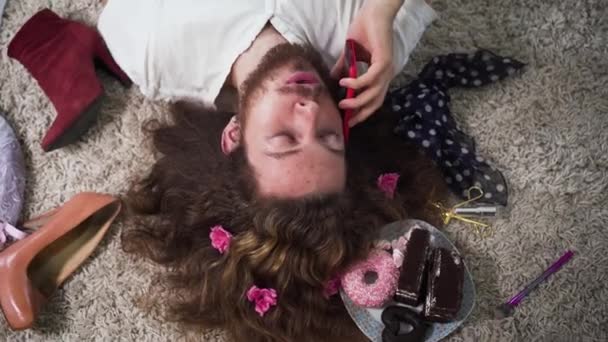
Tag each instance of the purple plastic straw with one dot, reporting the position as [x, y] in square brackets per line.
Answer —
[552, 269]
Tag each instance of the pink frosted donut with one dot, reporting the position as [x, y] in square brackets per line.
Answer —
[371, 293]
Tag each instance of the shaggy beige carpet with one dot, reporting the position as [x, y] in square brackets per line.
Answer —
[547, 129]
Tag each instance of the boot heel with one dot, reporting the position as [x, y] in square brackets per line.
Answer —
[102, 54]
[91, 38]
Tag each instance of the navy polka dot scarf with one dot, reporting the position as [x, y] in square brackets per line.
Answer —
[425, 119]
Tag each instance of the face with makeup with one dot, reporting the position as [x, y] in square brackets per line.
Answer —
[290, 126]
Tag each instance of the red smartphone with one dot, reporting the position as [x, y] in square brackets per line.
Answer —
[351, 64]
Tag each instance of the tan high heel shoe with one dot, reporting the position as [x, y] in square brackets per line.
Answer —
[33, 268]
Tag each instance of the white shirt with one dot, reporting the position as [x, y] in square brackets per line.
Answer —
[185, 49]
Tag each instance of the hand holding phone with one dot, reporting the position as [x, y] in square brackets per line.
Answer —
[351, 64]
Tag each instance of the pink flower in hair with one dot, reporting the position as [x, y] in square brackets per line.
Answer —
[331, 287]
[262, 298]
[387, 182]
[220, 238]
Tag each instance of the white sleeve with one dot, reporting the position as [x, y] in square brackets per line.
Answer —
[410, 23]
[324, 24]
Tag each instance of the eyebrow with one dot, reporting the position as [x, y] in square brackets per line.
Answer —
[281, 155]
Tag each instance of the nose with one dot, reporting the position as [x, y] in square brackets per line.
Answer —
[307, 109]
[306, 116]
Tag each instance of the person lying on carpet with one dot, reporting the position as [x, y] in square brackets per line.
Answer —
[265, 269]
[256, 213]
[274, 54]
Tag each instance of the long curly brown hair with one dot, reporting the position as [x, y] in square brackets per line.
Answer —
[294, 246]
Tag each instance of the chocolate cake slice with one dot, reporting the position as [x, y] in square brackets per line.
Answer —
[416, 251]
[445, 277]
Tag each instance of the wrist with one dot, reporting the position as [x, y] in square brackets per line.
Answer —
[388, 8]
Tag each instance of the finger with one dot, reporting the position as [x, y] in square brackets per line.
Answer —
[360, 117]
[338, 70]
[364, 113]
[365, 80]
[361, 99]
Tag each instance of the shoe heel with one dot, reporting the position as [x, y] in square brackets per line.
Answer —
[102, 54]
[33, 268]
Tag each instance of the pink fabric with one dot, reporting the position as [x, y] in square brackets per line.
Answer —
[373, 295]
[387, 182]
[220, 238]
[7, 230]
[262, 298]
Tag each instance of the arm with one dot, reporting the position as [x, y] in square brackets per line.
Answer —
[390, 6]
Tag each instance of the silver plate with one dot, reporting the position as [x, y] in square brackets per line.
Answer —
[368, 319]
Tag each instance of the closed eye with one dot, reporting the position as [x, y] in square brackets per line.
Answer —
[331, 139]
[282, 140]
[287, 136]
[325, 133]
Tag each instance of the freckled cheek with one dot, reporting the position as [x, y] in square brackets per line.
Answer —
[333, 118]
[299, 172]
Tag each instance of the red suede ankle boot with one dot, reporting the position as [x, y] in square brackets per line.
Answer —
[60, 55]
